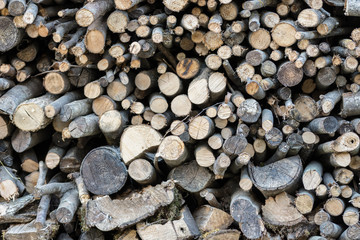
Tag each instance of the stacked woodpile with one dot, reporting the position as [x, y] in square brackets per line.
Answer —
[179, 119]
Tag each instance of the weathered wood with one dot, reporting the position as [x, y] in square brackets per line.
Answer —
[263, 177]
[29, 161]
[245, 210]
[29, 231]
[69, 203]
[98, 165]
[84, 126]
[14, 35]
[10, 185]
[22, 141]
[351, 233]
[191, 177]
[312, 175]
[71, 161]
[156, 197]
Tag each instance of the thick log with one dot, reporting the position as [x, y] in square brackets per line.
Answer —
[263, 177]
[96, 35]
[30, 114]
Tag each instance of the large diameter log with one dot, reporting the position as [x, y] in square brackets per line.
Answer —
[98, 166]
[283, 175]
[10, 35]
[107, 214]
[136, 140]
[176, 5]
[30, 115]
[18, 94]
[191, 177]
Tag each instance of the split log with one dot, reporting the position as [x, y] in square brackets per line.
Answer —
[312, 175]
[129, 150]
[208, 218]
[29, 231]
[156, 197]
[294, 225]
[263, 177]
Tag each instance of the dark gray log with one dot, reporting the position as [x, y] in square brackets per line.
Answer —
[103, 171]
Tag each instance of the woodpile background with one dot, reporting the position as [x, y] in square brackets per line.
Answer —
[179, 119]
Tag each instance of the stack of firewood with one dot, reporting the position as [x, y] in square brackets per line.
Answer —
[179, 119]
